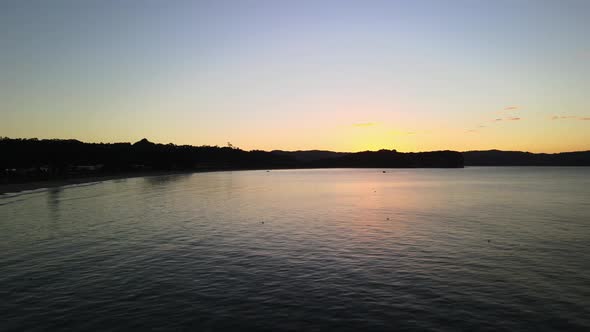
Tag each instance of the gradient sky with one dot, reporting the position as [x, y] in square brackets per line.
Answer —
[338, 75]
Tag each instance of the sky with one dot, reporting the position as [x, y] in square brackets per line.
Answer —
[298, 75]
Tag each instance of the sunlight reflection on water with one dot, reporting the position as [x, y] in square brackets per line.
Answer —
[474, 248]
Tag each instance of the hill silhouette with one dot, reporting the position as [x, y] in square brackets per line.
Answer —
[310, 155]
[518, 158]
[34, 159]
[391, 158]
[477, 158]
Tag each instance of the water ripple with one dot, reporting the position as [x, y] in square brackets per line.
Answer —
[409, 250]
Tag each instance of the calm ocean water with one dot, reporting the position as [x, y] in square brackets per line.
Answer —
[498, 249]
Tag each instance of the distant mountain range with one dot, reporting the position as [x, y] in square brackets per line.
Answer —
[24, 160]
[473, 158]
[381, 158]
[310, 155]
[518, 158]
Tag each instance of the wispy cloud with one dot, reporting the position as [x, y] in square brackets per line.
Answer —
[509, 118]
[365, 124]
[476, 129]
[570, 117]
[562, 117]
[510, 108]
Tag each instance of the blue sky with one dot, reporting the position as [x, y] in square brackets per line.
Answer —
[340, 75]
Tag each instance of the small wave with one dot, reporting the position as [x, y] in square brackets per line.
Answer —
[9, 197]
[23, 192]
[85, 184]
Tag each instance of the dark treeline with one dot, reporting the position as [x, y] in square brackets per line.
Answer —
[392, 158]
[517, 158]
[33, 159]
[474, 158]
[311, 155]
[62, 157]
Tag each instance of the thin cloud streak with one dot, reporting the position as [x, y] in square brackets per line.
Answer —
[570, 117]
[561, 117]
[510, 118]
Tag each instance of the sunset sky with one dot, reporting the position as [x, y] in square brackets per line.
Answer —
[337, 75]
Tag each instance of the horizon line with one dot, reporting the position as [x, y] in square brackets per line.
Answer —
[298, 150]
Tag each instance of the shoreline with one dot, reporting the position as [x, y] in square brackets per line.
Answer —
[13, 188]
[17, 187]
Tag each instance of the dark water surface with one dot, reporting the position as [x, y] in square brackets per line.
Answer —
[499, 249]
